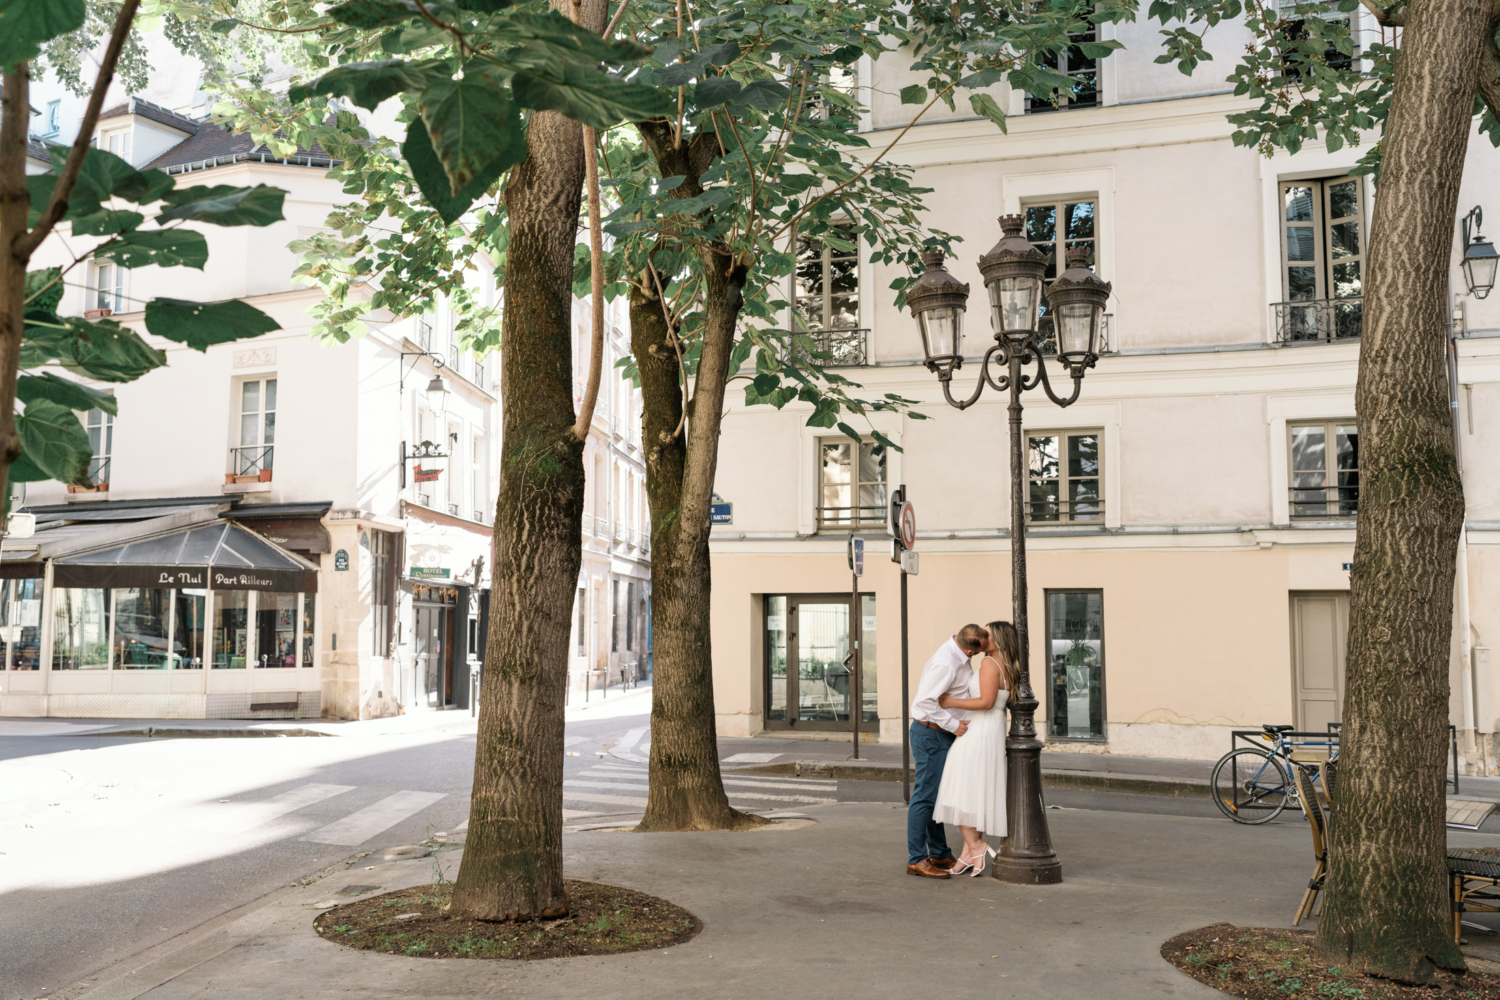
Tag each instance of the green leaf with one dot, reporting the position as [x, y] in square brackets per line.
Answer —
[102, 350]
[107, 222]
[428, 171]
[24, 470]
[850, 431]
[763, 95]
[374, 13]
[55, 441]
[584, 94]
[225, 26]
[73, 395]
[38, 280]
[200, 325]
[367, 84]
[984, 104]
[224, 205]
[471, 123]
[767, 383]
[39, 188]
[102, 176]
[163, 247]
[716, 90]
[25, 24]
[915, 94]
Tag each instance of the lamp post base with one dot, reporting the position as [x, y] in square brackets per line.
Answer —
[1026, 858]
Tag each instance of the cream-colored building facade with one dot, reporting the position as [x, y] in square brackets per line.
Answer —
[1192, 513]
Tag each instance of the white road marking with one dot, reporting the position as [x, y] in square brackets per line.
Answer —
[751, 758]
[733, 794]
[804, 785]
[462, 826]
[247, 814]
[795, 784]
[358, 827]
[630, 739]
[608, 800]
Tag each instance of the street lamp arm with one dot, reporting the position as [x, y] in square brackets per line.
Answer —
[945, 378]
[1041, 376]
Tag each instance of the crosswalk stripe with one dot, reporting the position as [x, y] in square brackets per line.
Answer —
[805, 786]
[733, 794]
[608, 800]
[248, 814]
[630, 739]
[804, 799]
[358, 827]
[780, 784]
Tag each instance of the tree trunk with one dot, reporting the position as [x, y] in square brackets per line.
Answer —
[15, 203]
[512, 866]
[1388, 912]
[687, 792]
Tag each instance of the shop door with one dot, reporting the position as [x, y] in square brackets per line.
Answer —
[1320, 627]
[809, 662]
[429, 653]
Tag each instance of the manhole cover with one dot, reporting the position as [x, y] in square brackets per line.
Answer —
[357, 890]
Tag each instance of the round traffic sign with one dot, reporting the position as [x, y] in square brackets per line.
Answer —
[908, 522]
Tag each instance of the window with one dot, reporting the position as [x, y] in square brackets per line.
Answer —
[382, 590]
[1075, 664]
[629, 617]
[809, 660]
[80, 628]
[1073, 222]
[1322, 255]
[117, 142]
[309, 630]
[455, 470]
[424, 333]
[825, 294]
[106, 286]
[1065, 476]
[101, 429]
[275, 630]
[21, 619]
[582, 638]
[481, 372]
[1297, 26]
[852, 490]
[614, 616]
[54, 117]
[231, 629]
[1325, 469]
[189, 612]
[142, 636]
[1081, 69]
[477, 478]
[256, 449]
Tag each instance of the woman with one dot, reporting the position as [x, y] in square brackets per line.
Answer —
[972, 792]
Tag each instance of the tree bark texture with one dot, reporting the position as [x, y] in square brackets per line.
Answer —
[15, 203]
[512, 867]
[1388, 911]
[687, 789]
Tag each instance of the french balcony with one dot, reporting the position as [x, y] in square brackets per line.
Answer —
[588, 524]
[845, 348]
[98, 477]
[1318, 321]
[845, 518]
[250, 463]
[1325, 503]
[620, 532]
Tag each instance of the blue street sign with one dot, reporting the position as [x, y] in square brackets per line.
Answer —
[720, 511]
[857, 555]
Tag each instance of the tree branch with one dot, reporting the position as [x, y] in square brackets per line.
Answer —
[1391, 16]
[26, 243]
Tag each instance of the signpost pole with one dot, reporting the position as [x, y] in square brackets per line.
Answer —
[854, 632]
[904, 528]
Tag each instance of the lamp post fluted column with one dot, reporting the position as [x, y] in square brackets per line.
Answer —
[1013, 275]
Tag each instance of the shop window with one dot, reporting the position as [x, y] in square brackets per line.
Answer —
[142, 628]
[1324, 469]
[21, 619]
[309, 631]
[80, 628]
[189, 613]
[275, 630]
[1065, 477]
[256, 451]
[809, 660]
[1075, 664]
[852, 484]
[231, 629]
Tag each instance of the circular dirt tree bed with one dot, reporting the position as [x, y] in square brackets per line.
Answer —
[1274, 964]
[605, 920]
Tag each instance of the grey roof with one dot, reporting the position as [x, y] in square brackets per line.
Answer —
[223, 545]
[121, 510]
[155, 112]
[278, 511]
[208, 144]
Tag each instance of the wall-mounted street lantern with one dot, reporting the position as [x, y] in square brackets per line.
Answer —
[1013, 271]
[1480, 258]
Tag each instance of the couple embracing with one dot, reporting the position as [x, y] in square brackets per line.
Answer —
[958, 746]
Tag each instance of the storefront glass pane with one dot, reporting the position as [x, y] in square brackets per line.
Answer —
[823, 662]
[26, 625]
[776, 658]
[140, 633]
[80, 629]
[187, 629]
[1075, 653]
[308, 631]
[276, 630]
[231, 628]
[6, 586]
[869, 711]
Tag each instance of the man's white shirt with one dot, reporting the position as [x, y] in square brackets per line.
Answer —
[948, 672]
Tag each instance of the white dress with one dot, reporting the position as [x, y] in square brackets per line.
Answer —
[972, 792]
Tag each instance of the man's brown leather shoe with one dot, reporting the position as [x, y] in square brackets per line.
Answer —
[946, 864]
[926, 869]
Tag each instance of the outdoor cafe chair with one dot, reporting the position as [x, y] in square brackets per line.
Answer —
[1318, 821]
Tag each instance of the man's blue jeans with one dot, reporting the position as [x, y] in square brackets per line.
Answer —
[929, 751]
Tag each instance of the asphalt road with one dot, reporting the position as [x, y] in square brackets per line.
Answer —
[109, 845]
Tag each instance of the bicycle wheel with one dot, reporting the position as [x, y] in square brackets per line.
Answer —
[1250, 786]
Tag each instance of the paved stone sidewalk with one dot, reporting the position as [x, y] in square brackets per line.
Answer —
[822, 911]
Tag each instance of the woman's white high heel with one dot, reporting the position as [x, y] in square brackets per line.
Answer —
[989, 852]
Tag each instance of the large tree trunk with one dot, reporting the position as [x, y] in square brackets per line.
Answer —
[512, 865]
[1388, 911]
[15, 202]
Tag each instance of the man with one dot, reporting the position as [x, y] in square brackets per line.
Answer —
[933, 730]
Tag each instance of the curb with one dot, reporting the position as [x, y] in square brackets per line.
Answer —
[1099, 781]
[184, 732]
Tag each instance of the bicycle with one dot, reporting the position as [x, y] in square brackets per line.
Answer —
[1252, 784]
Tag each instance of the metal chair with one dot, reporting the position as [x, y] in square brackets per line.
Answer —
[1318, 821]
[1475, 876]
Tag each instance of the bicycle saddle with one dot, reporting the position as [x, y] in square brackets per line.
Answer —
[1278, 729]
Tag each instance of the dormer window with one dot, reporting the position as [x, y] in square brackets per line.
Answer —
[117, 142]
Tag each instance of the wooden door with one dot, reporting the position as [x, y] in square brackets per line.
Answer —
[1320, 628]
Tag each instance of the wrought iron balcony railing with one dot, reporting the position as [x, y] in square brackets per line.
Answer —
[1323, 502]
[99, 470]
[853, 517]
[846, 348]
[252, 458]
[1320, 321]
[1051, 511]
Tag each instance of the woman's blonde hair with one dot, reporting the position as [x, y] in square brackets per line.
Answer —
[1008, 644]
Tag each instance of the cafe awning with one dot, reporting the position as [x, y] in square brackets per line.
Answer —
[221, 555]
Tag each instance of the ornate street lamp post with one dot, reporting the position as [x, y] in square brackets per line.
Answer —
[1013, 272]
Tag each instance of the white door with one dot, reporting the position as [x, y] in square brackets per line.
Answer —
[1320, 628]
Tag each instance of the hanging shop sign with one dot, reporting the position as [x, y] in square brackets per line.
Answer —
[430, 572]
[427, 475]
